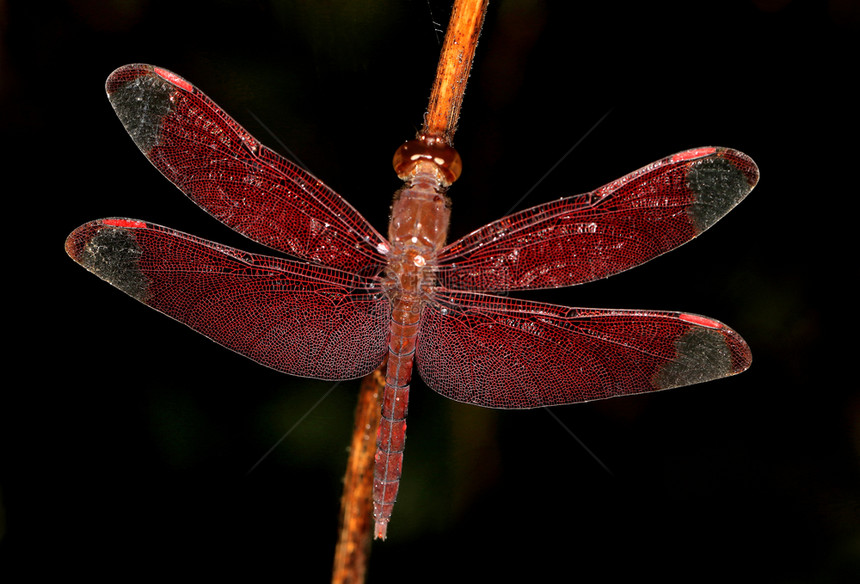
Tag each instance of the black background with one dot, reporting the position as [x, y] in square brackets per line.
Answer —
[127, 438]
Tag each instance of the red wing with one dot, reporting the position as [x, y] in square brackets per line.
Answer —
[240, 182]
[506, 353]
[592, 236]
[294, 317]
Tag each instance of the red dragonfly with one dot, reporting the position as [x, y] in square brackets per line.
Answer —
[354, 298]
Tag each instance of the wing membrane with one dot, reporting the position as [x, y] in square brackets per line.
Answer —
[597, 234]
[506, 353]
[294, 317]
[240, 182]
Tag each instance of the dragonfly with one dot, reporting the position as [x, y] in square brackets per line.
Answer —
[351, 299]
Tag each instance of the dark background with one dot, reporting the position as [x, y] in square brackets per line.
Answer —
[127, 439]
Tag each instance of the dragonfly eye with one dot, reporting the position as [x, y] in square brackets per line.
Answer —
[444, 158]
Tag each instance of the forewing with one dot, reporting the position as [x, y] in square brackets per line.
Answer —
[609, 230]
[240, 182]
[506, 353]
[298, 318]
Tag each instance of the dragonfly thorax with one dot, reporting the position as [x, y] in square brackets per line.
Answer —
[417, 231]
[419, 218]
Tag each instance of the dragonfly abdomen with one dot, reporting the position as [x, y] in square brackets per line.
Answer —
[391, 436]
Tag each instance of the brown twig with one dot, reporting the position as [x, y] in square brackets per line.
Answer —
[455, 63]
[353, 546]
[440, 123]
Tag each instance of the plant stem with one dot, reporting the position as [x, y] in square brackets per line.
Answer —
[440, 123]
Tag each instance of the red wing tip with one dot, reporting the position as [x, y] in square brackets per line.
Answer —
[128, 73]
[738, 158]
[701, 320]
[705, 351]
[693, 153]
[132, 223]
[741, 356]
[81, 237]
[173, 78]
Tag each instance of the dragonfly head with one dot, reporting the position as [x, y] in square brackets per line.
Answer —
[426, 155]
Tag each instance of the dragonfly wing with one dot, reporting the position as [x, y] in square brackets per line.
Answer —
[614, 228]
[236, 179]
[506, 353]
[298, 318]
